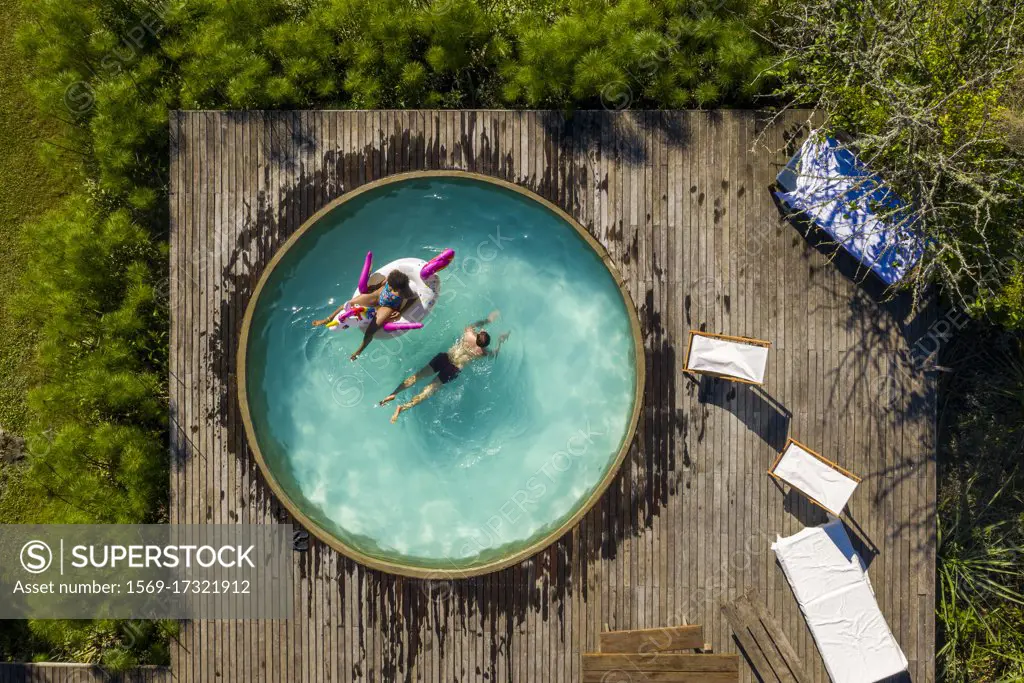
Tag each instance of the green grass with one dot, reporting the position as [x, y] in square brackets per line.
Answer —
[27, 189]
[981, 509]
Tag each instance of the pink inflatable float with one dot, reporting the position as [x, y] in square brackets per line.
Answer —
[423, 280]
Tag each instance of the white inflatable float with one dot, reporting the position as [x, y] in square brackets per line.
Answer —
[423, 280]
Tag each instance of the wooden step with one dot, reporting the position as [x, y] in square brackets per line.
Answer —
[653, 639]
[659, 677]
[688, 663]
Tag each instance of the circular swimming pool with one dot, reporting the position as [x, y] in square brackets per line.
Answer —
[497, 463]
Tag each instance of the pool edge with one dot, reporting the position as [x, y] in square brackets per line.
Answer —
[413, 571]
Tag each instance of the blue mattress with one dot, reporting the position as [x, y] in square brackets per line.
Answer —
[833, 188]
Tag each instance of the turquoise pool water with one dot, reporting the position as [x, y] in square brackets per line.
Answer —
[498, 458]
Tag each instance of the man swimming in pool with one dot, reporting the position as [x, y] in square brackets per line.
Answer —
[448, 364]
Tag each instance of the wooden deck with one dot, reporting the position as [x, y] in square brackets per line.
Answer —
[682, 203]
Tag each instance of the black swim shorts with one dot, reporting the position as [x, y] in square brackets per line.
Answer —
[443, 366]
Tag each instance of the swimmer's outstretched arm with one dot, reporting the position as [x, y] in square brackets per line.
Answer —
[501, 340]
[318, 323]
[419, 398]
[491, 317]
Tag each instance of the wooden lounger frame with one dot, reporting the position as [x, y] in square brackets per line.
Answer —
[741, 340]
[819, 456]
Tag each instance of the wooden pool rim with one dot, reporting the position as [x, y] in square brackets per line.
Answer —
[410, 570]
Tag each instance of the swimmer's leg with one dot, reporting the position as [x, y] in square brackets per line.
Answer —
[424, 372]
[419, 398]
[368, 299]
[384, 314]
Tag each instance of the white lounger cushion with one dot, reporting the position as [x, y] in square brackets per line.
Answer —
[725, 357]
[836, 598]
[824, 484]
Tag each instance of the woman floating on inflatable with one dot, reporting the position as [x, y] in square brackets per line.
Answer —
[394, 299]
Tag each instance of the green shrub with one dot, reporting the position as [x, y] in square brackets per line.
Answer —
[99, 417]
[660, 53]
[116, 645]
[981, 586]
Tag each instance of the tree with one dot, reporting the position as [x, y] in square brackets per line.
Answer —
[922, 92]
[662, 53]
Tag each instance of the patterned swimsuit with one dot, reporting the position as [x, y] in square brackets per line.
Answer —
[388, 298]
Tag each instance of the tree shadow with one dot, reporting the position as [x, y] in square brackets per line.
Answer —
[627, 134]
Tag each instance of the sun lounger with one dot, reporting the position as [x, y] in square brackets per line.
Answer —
[829, 185]
[739, 359]
[839, 605]
[825, 483]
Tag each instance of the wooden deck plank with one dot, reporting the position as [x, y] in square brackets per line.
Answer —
[660, 662]
[689, 520]
[226, 239]
[749, 302]
[189, 294]
[663, 639]
[197, 473]
[175, 198]
[659, 677]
